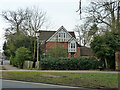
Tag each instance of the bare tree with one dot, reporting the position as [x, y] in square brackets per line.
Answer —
[100, 16]
[82, 31]
[33, 23]
[15, 19]
[78, 30]
[106, 12]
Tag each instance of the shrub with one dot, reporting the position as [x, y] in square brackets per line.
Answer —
[81, 63]
[58, 51]
[21, 55]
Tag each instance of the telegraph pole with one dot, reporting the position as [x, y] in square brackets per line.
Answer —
[79, 10]
[37, 46]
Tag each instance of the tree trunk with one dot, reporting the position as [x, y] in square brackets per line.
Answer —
[31, 46]
[17, 28]
[34, 49]
[118, 17]
[106, 63]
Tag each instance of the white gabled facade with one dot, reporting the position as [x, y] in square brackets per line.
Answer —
[61, 35]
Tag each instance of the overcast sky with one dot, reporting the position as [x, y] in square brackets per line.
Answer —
[59, 12]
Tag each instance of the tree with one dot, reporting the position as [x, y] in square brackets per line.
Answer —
[105, 13]
[6, 51]
[21, 55]
[15, 41]
[86, 33]
[100, 16]
[105, 46]
[34, 21]
[23, 21]
[15, 19]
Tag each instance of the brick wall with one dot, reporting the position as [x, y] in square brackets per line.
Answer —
[78, 52]
[50, 45]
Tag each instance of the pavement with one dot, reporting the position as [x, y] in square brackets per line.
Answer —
[11, 68]
[6, 65]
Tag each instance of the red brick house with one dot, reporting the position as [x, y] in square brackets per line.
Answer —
[64, 38]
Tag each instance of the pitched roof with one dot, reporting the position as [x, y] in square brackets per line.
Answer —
[72, 33]
[45, 35]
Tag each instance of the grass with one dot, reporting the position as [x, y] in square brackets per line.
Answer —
[95, 80]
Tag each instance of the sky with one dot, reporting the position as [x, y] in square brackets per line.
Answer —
[59, 13]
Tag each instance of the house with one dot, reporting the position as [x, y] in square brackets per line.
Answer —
[63, 38]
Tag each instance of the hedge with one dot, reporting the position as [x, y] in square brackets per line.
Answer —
[81, 63]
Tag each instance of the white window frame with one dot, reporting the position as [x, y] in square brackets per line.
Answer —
[73, 45]
[61, 35]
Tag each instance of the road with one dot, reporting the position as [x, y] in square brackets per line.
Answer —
[21, 84]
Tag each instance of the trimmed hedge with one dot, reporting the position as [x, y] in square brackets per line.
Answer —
[81, 63]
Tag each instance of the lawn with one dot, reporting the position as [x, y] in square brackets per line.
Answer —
[95, 80]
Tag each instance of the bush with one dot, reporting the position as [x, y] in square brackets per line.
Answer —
[21, 55]
[81, 63]
[58, 51]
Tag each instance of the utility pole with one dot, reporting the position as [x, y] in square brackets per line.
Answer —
[79, 9]
[37, 46]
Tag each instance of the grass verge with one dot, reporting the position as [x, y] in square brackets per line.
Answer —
[94, 80]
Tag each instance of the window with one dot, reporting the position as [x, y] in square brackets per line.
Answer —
[59, 34]
[62, 35]
[72, 45]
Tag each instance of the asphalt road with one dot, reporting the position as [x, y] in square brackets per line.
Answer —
[21, 84]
